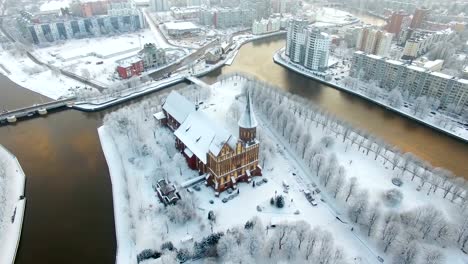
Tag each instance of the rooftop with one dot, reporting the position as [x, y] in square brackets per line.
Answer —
[178, 106]
[248, 119]
[180, 25]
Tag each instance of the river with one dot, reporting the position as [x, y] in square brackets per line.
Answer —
[69, 214]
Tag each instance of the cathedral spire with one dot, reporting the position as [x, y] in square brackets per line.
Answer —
[248, 122]
[248, 119]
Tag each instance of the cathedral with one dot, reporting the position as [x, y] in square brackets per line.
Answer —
[209, 148]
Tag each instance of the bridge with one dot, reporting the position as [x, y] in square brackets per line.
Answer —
[39, 109]
[197, 81]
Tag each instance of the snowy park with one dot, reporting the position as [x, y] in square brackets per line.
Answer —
[12, 205]
[330, 193]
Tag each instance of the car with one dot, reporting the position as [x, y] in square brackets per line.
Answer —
[285, 184]
[317, 190]
[229, 190]
[224, 200]
[196, 188]
[285, 190]
[99, 62]
[265, 180]
[258, 183]
[313, 203]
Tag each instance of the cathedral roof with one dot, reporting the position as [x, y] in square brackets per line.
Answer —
[178, 106]
[248, 119]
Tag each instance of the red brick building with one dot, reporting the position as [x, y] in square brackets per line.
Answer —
[396, 20]
[223, 158]
[130, 68]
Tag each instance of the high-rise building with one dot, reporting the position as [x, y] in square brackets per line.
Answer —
[394, 26]
[419, 16]
[307, 46]
[159, 5]
[296, 37]
[374, 41]
[194, 2]
[317, 50]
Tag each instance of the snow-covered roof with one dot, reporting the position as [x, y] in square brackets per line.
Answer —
[441, 75]
[394, 62]
[248, 119]
[374, 56]
[464, 81]
[416, 68]
[178, 106]
[159, 115]
[181, 26]
[201, 135]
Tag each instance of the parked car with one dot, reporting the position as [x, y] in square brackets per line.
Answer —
[224, 200]
[99, 62]
[313, 203]
[265, 180]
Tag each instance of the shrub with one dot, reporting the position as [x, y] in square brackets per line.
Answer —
[393, 197]
[147, 254]
[272, 201]
[167, 245]
[183, 255]
[280, 201]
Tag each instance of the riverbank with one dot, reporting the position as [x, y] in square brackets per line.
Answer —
[280, 61]
[104, 102]
[15, 203]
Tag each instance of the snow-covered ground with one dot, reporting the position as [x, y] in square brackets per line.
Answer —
[338, 76]
[12, 181]
[147, 153]
[25, 72]
[97, 58]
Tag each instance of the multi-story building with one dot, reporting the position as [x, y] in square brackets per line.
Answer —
[295, 40]
[159, 5]
[130, 67]
[152, 56]
[266, 26]
[419, 41]
[396, 20]
[419, 16]
[374, 41]
[226, 17]
[224, 159]
[307, 46]
[50, 28]
[418, 81]
[317, 50]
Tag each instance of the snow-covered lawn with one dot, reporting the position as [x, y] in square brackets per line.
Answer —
[12, 180]
[97, 58]
[25, 72]
[139, 152]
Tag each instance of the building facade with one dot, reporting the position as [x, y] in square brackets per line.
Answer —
[224, 159]
[152, 56]
[226, 17]
[265, 26]
[50, 28]
[396, 21]
[159, 5]
[131, 67]
[417, 81]
[418, 42]
[307, 46]
[419, 16]
[374, 41]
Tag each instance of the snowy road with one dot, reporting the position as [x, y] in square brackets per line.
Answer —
[161, 41]
[366, 255]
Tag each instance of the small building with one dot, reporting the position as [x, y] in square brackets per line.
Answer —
[152, 56]
[223, 158]
[178, 29]
[130, 67]
[167, 192]
[213, 55]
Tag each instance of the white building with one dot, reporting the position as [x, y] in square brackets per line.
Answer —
[374, 41]
[420, 41]
[307, 46]
[159, 5]
[295, 40]
[317, 50]
[265, 26]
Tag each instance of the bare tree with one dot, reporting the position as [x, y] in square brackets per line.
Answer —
[373, 216]
[359, 206]
[338, 184]
[351, 188]
[408, 254]
[390, 233]
[433, 256]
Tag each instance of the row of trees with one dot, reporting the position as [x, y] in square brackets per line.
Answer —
[3, 194]
[148, 154]
[291, 115]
